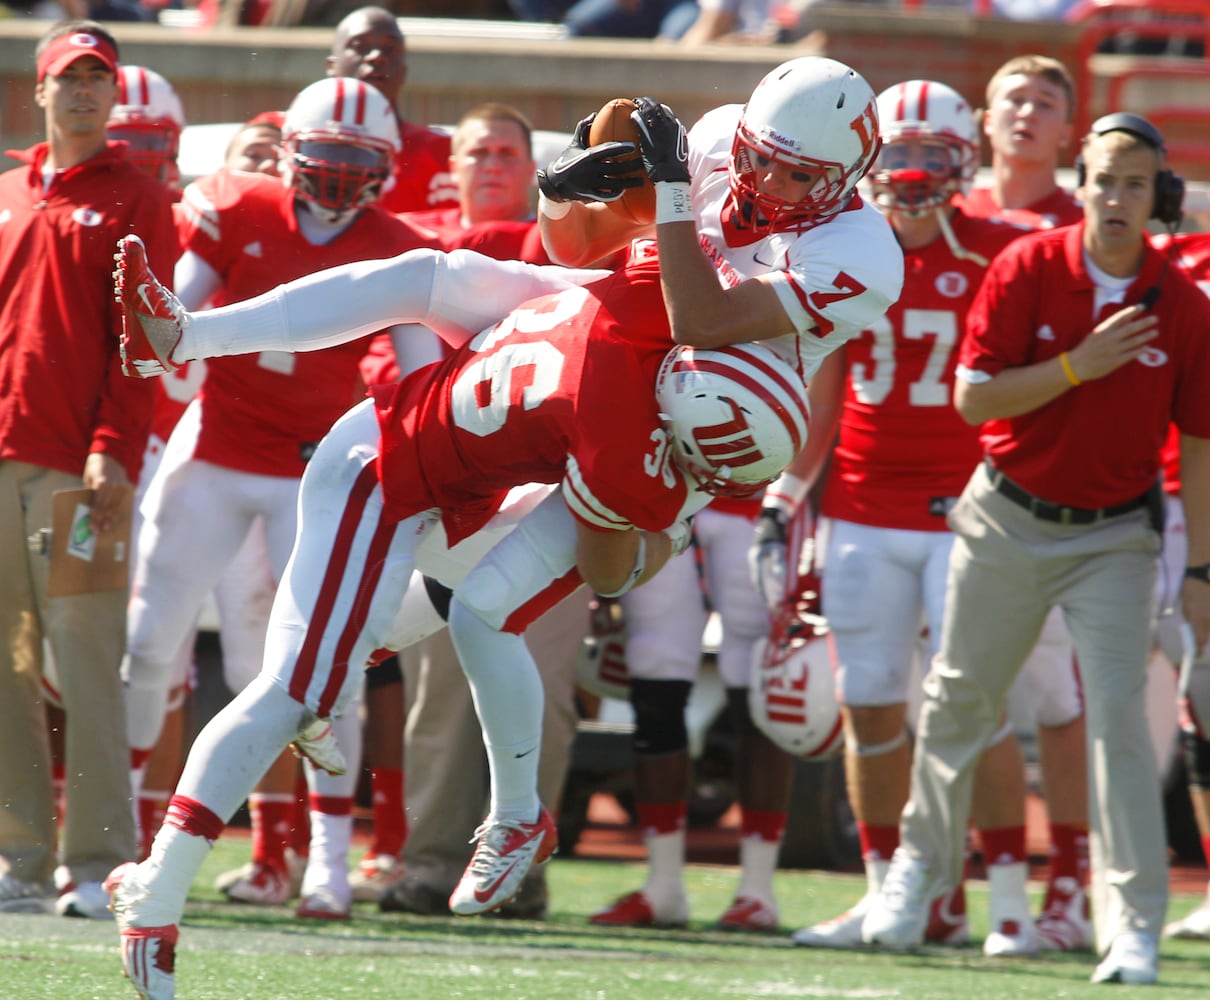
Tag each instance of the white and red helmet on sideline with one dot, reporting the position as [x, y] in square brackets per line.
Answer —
[792, 688]
[736, 416]
[813, 114]
[339, 140]
[933, 116]
[148, 117]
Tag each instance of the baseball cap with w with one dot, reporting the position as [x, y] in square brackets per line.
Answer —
[66, 49]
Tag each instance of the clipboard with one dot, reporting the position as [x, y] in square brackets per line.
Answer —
[81, 561]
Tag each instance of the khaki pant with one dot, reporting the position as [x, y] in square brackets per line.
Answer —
[1006, 570]
[87, 636]
[446, 774]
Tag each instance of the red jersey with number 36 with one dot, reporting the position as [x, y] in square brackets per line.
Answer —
[561, 390]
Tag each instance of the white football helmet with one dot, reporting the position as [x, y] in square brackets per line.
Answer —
[930, 147]
[735, 416]
[148, 117]
[600, 665]
[339, 142]
[811, 114]
[792, 689]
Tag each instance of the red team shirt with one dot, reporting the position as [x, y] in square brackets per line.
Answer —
[263, 413]
[562, 390]
[903, 451]
[421, 177]
[1037, 301]
[1059, 208]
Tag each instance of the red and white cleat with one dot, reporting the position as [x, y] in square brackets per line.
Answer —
[505, 851]
[317, 743]
[152, 317]
[747, 913]
[260, 885]
[637, 909]
[1066, 922]
[148, 953]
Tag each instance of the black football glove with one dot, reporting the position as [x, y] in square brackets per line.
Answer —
[596, 173]
[767, 557]
[662, 141]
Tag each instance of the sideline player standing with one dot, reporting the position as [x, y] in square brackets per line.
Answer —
[241, 449]
[1063, 511]
[445, 445]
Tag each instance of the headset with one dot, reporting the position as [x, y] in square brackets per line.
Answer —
[1169, 187]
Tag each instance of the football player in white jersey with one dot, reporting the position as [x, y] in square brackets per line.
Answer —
[761, 232]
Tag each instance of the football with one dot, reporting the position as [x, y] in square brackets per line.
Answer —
[612, 124]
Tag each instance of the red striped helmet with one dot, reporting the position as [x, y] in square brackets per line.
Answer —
[816, 116]
[792, 688]
[340, 139]
[148, 117]
[930, 149]
[736, 416]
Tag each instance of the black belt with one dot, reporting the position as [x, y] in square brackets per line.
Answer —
[1044, 510]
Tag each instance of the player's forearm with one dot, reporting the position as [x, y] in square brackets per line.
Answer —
[576, 234]
[1195, 497]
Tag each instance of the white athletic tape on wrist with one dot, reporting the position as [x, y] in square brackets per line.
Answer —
[782, 494]
[640, 564]
[1001, 734]
[672, 202]
[680, 535]
[552, 209]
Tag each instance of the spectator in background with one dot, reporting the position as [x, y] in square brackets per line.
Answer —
[667, 19]
[369, 46]
[493, 168]
[68, 418]
[256, 147]
[1028, 124]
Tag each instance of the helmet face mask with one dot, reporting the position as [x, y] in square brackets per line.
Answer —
[339, 143]
[812, 117]
[735, 417]
[148, 117]
[929, 148]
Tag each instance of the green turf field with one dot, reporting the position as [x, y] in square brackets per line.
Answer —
[247, 953]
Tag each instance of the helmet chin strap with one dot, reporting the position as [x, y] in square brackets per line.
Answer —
[956, 248]
[324, 223]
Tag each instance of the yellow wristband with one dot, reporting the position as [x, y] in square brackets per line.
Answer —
[1070, 372]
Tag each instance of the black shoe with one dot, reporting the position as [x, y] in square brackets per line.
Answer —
[410, 895]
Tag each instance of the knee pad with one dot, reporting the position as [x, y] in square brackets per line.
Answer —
[659, 715]
[1197, 758]
[385, 674]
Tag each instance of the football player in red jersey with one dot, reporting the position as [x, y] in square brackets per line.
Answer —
[902, 457]
[369, 46]
[1193, 252]
[240, 450]
[1028, 124]
[524, 401]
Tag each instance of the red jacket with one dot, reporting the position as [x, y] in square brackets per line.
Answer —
[62, 391]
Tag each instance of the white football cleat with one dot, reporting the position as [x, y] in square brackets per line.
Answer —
[317, 743]
[374, 874]
[751, 915]
[148, 952]
[88, 900]
[840, 932]
[1012, 939]
[505, 851]
[1132, 958]
[153, 319]
[1194, 927]
[899, 915]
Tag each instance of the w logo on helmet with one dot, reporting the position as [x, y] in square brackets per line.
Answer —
[730, 443]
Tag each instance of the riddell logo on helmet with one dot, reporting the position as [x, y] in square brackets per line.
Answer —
[730, 443]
